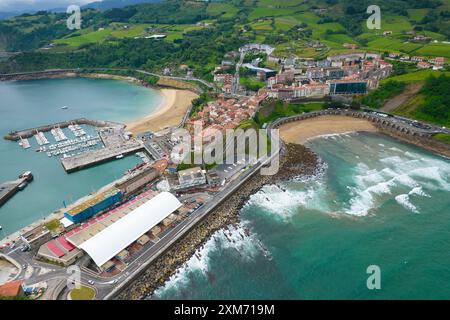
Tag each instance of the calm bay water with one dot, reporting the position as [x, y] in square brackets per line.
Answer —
[376, 202]
[33, 103]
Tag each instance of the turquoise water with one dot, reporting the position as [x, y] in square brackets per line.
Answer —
[375, 201]
[33, 103]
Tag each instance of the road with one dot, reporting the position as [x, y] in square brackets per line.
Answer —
[206, 83]
[236, 80]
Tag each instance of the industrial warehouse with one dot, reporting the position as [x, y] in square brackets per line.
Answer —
[94, 215]
[113, 239]
[108, 235]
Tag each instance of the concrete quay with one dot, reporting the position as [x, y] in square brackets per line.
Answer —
[78, 162]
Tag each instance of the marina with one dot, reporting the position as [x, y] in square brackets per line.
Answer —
[101, 100]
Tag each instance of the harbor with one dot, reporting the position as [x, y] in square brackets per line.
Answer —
[116, 144]
[73, 125]
[10, 188]
[108, 142]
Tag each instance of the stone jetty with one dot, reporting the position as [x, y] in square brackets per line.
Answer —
[27, 133]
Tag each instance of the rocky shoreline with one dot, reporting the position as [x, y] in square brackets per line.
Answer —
[298, 160]
[427, 143]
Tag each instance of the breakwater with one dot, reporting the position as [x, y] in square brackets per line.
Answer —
[45, 74]
[297, 160]
[10, 188]
[27, 133]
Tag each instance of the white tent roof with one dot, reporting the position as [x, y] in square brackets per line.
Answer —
[113, 239]
[66, 222]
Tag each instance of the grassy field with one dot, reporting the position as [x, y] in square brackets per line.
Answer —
[83, 293]
[78, 38]
[396, 24]
[53, 225]
[443, 137]
[92, 36]
[224, 10]
[280, 109]
[435, 49]
[268, 12]
[397, 42]
[415, 76]
[417, 14]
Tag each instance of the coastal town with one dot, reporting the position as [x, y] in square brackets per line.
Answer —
[108, 234]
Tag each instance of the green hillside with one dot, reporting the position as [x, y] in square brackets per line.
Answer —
[199, 33]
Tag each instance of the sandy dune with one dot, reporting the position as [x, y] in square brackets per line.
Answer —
[301, 131]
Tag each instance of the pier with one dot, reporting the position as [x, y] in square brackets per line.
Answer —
[78, 162]
[116, 145]
[10, 188]
[28, 133]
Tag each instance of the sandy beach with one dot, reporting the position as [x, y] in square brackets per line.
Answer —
[300, 132]
[169, 113]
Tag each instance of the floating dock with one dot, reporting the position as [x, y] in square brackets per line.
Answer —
[10, 188]
[58, 134]
[24, 143]
[40, 138]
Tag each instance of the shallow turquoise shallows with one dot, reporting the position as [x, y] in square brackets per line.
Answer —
[375, 202]
[34, 103]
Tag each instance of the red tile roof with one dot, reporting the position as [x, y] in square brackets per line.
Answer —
[11, 289]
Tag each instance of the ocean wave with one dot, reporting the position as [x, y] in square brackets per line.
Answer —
[237, 238]
[419, 191]
[404, 201]
[336, 136]
[437, 177]
[402, 170]
[279, 202]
